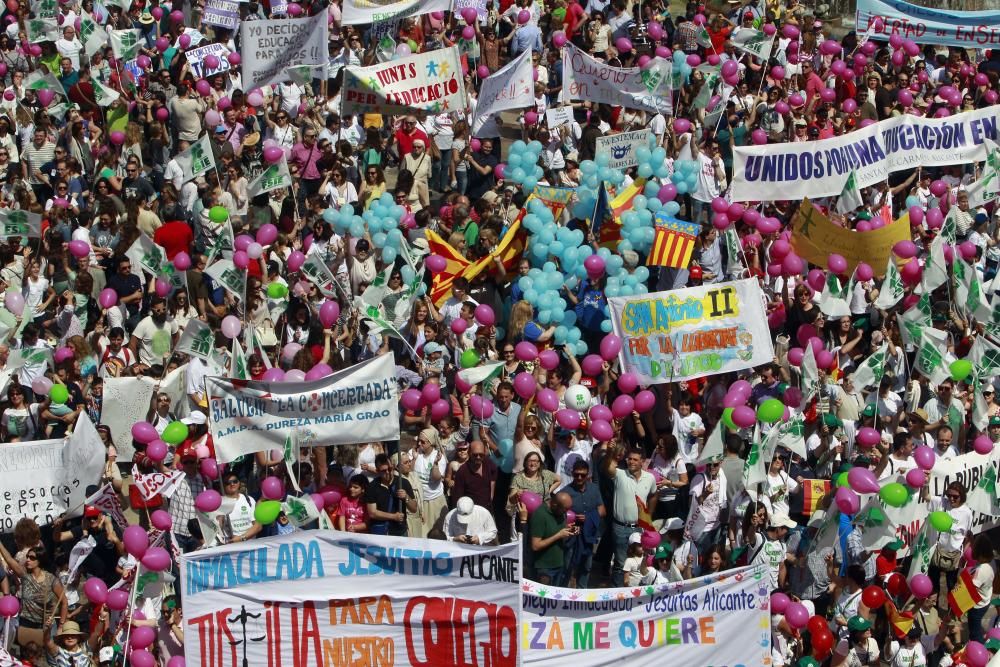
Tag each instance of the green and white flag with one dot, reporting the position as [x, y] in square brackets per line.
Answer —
[706, 91]
[714, 445]
[197, 159]
[92, 34]
[46, 9]
[145, 254]
[377, 324]
[104, 95]
[970, 293]
[197, 340]
[483, 373]
[15, 222]
[44, 80]
[982, 497]
[949, 228]
[125, 43]
[936, 268]
[987, 187]
[406, 300]
[755, 42]
[755, 467]
[788, 434]
[892, 287]
[42, 30]
[869, 373]
[703, 38]
[914, 320]
[833, 301]
[251, 341]
[735, 250]
[218, 239]
[274, 177]
[850, 195]
[224, 272]
[922, 550]
[932, 355]
[985, 357]
[810, 375]
[239, 368]
[375, 293]
[319, 274]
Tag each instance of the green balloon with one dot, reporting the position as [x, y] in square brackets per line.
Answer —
[175, 433]
[770, 410]
[266, 512]
[218, 214]
[727, 419]
[941, 521]
[59, 394]
[277, 290]
[894, 494]
[960, 369]
[469, 358]
[841, 480]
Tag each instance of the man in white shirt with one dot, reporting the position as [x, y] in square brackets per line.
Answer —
[154, 337]
[470, 524]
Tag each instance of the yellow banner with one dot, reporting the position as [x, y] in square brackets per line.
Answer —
[815, 238]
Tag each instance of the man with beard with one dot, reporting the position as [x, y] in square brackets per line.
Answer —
[549, 531]
[154, 337]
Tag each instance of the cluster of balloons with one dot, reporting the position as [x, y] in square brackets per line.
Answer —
[384, 219]
[737, 414]
[428, 396]
[522, 164]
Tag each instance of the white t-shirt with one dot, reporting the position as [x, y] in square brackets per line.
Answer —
[771, 554]
[423, 465]
[778, 488]
[961, 525]
[241, 518]
[687, 444]
[34, 292]
[900, 656]
[155, 341]
[983, 579]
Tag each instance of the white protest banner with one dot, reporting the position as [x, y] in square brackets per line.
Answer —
[157, 483]
[197, 340]
[357, 404]
[15, 222]
[819, 168]
[722, 619]
[197, 159]
[331, 598]
[927, 25]
[510, 87]
[430, 81]
[356, 12]
[196, 57]
[127, 399]
[586, 78]
[557, 116]
[621, 148]
[269, 47]
[692, 332]
[106, 500]
[225, 13]
[42, 479]
[478, 5]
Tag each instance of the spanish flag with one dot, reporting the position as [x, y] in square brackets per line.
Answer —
[813, 491]
[509, 250]
[964, 596]
[606, 222]
[900, 622]
[673, 242]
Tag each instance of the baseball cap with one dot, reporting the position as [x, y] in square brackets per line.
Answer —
[196, 417]
[781, 521]
[432, 348]
[188, 454]
[90, 511]
[869, 411]
[106, 653]
[995, 420]
[635, 538]
[858, 624]
[673, 523]
[895, 545]
[220, 128]
[463, 509]
[663, 551]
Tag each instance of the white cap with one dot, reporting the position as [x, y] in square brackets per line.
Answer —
[464, 508]
[107, 653]
[781, 521]
[196, 417]
[673, 523]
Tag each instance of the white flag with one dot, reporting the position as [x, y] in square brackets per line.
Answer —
[197, 159]
[510, 87]
[892, 287]
[755, 42]
[125, 43]
[274, 177]
[197, 340]
[850, 196]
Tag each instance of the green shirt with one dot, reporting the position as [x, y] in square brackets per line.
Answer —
[543, 524]
[471, 232]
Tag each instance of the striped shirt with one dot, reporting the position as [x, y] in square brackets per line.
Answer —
[36, 157]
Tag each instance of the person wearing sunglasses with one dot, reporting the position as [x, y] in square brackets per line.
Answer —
[42, 595]
[950, 545]
[241, 519]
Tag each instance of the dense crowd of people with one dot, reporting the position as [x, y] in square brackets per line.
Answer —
[96, 141]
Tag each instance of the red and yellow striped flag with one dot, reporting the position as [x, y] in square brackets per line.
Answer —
[964, 596]
[900, 622]
[813, 491]
[673, 242]
[509, 250]
[606, 223]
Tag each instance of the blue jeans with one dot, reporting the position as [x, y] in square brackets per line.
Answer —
[444, 182]
[463, 181]
[975, 616]
[621, 533]
[552, 576]
[581, 569]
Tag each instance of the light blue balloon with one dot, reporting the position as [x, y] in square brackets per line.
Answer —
[682, 187]
[641, 274]
[606, 326]
[560, 335]
[388, 254]
[912, 201]
[529, 183]
[517, 175]
[407, 273]
[513, 160]
[330, 215]
[612, 291]
[644, 171]
[357, 229]
[518, 146]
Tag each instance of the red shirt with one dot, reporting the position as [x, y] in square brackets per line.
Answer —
[574, 19]
[405, 141]
[174, 237]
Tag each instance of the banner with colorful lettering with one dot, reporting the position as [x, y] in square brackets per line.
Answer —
[721, 619]
[430, 81]
[43, 479]
[586, 78]
[510, 87]
[814, 237]
[333, 598]
[692, 332]
[926, 25]
[356, 12]
[820, 168]
[357, 404]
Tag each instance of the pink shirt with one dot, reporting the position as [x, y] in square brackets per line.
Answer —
[352, 510]
[306, 159]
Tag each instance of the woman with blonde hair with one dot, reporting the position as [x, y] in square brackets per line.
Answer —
[524, 327]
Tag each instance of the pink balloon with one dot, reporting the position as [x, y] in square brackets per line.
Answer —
[142, 636]
[532, 501]
[440, 409]
[628, 382]
[744, 416]
[144, 432]
[208, 500]
[273, 374]
[796, 613]
[458, 326]
[916, 478]
[779, 602]
[862, 480]
[921, 586]
[645, 401]
[795, 356]
[272, 488]
[411, 399]
[547, 399]
[592, 365]
[868, 436]
[267, 234]
[611, 345]
[157, 450]
[601, 430]
[568, 419]
[622, 406]
[847, 501]
[117, 600]
[96, 590]
[549, 359]
[982, 444]
[484, 315]
[525, 385]
[436, 263]
[161, 520]
[79, 249]
[329, 313]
